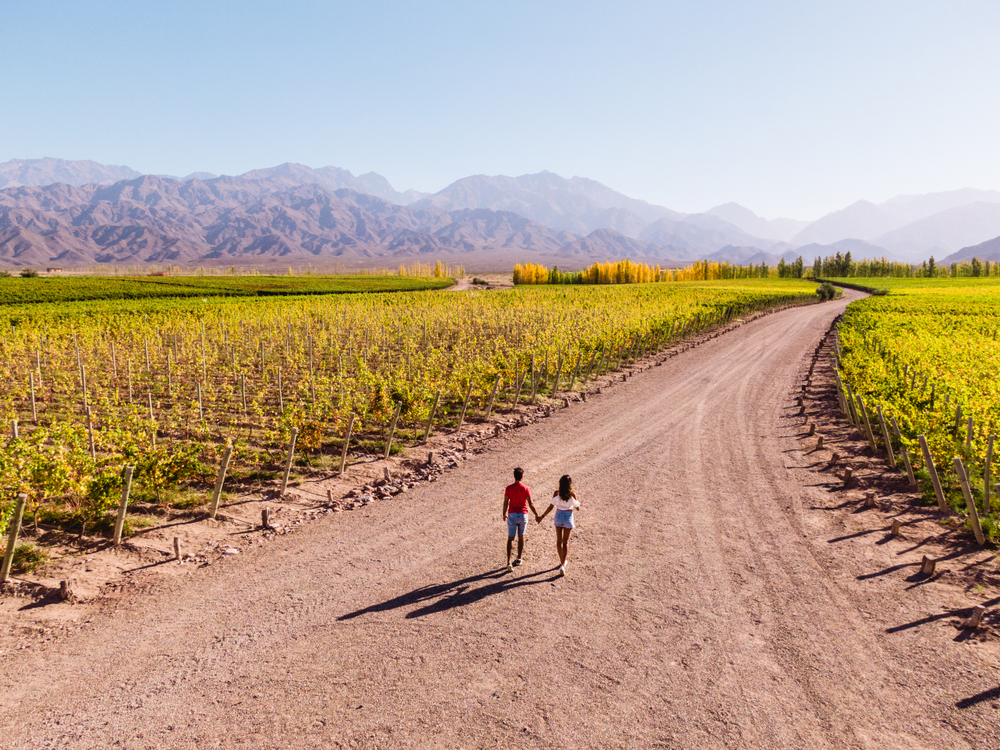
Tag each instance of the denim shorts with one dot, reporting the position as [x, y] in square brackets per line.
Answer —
[516, 524]
[564, 519]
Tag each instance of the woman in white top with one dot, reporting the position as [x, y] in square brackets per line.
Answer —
[565, 502]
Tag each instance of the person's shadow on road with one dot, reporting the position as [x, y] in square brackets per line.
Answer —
[445, 596]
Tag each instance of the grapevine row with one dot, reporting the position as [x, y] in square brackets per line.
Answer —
[926, 357]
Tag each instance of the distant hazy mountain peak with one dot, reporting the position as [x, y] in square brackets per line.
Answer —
[941, 201]
[744, 218]
[576, 204]
[989, 250]
[775, 229]
[50, 171]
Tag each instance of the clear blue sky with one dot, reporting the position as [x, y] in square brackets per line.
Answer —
[789, 108]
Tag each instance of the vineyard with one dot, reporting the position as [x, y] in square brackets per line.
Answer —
[15, 291]
[925, 358]
[165, 385]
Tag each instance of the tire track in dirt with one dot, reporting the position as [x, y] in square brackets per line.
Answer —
[700, 609]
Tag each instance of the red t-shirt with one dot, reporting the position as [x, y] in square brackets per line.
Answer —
[518, 496]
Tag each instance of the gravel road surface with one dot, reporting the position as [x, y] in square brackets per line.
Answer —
[704, 607]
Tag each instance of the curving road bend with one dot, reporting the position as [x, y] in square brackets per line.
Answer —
[705, 606]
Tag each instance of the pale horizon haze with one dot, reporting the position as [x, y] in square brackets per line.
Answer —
[789, 109]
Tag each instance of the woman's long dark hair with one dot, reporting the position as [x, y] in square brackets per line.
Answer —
[565, 487]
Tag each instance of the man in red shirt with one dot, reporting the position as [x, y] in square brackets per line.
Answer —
[516, 501]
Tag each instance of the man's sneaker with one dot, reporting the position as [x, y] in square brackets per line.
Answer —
[517, 562]
[510, 568]
[562, 570]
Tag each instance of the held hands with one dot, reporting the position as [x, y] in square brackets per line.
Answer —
[538, 518]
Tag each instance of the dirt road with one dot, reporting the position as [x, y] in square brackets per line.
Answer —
[708, 604]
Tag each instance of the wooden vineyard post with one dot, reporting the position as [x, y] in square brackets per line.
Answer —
[517, 392]
[968, 435]
[929, 462]
[493, 395]
[465, 405]
[123, 505]
[395, 419]
[281, 398]
[220, 479]
[34, 411]
[849, 398]
[976, 619]
[201, 408]
[83, 383]
[970, 502]
[885, 436]
[90, 434]
[130, 381]
[152, 419]
[605, 363]
[867, 424]
[534, 381]
[840, 393]
[555, 383]
[927, 566]
[204, 363]
[14, 434]
[590, 367]
[288, 460]
[243, 393]
[986, 475]
[430, 417]
[576, 371]
[347, 443]
[13, 531]
[909, 468]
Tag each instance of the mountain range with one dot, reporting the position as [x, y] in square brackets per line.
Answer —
[20, 172]
[63, 212]
[244, 220]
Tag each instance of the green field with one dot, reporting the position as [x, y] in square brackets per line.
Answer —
[928, 354]
[16, 290]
